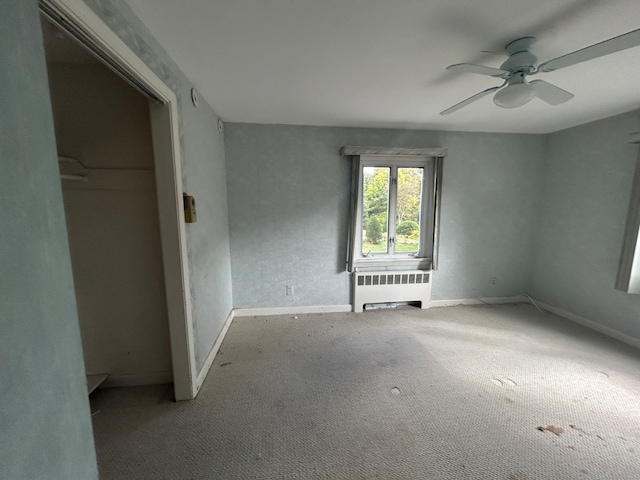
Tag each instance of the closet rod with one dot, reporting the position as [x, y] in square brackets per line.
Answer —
[65, 176]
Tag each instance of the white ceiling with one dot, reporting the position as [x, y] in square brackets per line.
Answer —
[381, 63]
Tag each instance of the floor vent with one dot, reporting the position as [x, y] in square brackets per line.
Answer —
[382, 287]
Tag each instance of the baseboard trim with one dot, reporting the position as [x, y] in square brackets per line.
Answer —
[137, 379]
[479, 301]
[214, 351]
[623, 337]
[258, 312]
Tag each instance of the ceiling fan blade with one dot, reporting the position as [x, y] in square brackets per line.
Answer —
[481, 69]
[550, 93]
[613, 45]
[469, 100]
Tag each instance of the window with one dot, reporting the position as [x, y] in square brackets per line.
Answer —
[394, 217]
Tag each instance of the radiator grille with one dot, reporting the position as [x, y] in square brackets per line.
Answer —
[392, 279]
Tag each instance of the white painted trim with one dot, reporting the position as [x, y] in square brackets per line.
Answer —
[347, 151]
[164, 126]
[258, 312]
[137, 379]
[480, 301]
[623, 337]
[214, 351]
[167, 157]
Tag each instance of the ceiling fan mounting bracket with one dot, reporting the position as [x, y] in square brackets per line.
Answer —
[520, 45]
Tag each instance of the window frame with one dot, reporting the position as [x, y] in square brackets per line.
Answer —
[425, 254]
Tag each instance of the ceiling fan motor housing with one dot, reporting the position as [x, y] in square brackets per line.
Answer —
[520, 58]
[523, 61]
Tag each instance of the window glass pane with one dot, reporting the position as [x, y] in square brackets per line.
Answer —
[408, 210]
[375, 209]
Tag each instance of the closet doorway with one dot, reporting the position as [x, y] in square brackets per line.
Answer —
[134, 323]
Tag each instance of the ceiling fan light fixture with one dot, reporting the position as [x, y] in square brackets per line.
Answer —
[514, 95]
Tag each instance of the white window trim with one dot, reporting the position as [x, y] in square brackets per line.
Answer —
[426, 213]
[432, 157]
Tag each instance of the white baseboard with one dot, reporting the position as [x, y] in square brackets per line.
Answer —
[137, 379]
[214, 351]
[623, 337]
[479, 301]
[250, 312]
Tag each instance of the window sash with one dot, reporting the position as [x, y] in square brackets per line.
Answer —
[389, 200]
[392, 198]
[424, 256]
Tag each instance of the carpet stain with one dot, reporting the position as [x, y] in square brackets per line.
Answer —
[550, 428]
[509, 400]
[574, 427]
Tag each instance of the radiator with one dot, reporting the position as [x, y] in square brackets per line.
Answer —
[387, 287]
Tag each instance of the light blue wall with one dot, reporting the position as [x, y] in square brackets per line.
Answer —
[289, 193]
[489, 208]
[204, 177]
[45, 424]
[583, 207]
[209, 254]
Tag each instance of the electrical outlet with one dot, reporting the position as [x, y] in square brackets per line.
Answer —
[494, 281]
[289, 289]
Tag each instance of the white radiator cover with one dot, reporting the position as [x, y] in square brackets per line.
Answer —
[391, 286]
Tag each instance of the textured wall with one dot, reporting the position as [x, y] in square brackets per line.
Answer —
[209, 257]
[289, 193]
[490, 188]
[45, 425]
[583, 207]
[204, 177]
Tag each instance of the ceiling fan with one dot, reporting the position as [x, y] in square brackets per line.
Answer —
[517, 90]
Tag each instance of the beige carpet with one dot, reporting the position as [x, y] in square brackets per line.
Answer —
[482, 392]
